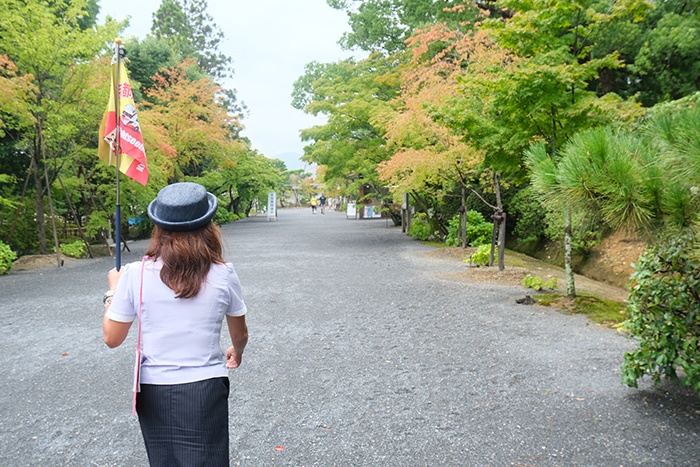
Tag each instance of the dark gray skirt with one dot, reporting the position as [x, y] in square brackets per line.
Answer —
[185, 424]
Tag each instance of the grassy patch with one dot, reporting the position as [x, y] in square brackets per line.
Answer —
[605, 312]
[434, 244]
[548, 299]
[515, 259]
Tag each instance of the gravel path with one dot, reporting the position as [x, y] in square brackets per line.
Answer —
[363, 352]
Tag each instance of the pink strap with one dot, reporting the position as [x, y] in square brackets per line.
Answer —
[137, 365]
[143, 265]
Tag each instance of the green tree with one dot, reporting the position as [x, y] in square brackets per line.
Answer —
[187, 127]
[543, 93]
[660, 48]
[643, 179]
[608, 178]
[146, 58]
[191, 32]
[674, 129]
[385, 25]
[15, 96]
[47, 44]
[246, 182]
[429, 160]
[640, 180]
[350, 94]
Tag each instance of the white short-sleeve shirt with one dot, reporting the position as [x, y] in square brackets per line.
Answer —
[180, 336]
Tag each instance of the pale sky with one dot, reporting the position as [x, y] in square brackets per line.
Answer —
[270, 41]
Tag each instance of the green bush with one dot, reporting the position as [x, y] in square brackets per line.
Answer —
[480, 257]
[586, 233]
[97, 223]
[7, 256]
[25, 237]
[537, 283]
[529, 215]
[664, 316]
[478, 230]
[223, 216]
[77, 249]
[420, 227]
[452, 229]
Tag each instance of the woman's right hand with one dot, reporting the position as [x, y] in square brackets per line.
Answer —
[233, 358]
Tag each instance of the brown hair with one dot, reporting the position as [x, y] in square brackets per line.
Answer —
[186, 256]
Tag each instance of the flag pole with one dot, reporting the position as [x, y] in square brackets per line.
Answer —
[118, 222]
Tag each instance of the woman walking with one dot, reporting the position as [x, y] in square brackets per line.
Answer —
[180, 293]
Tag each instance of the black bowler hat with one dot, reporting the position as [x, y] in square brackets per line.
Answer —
[182, 206]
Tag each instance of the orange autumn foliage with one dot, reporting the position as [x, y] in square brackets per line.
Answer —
[15, 89]
[187, 125]
[428, 151]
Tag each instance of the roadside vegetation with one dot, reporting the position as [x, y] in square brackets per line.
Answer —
[605, 312]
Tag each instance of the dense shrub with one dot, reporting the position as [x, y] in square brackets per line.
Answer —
[452, 229]
[478, 231]
[76, 249]
[537, 283]
[420, 227]
[529, 215]
[7, 256]
[480, 257]
[25, 238]
[664, 316]
[223, 216]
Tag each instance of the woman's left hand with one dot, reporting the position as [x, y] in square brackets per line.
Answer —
[233, 358]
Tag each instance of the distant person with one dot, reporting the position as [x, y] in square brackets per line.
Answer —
[322, 203]
[179, 294]
[314, 202]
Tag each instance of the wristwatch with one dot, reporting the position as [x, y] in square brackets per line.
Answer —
[107, 299]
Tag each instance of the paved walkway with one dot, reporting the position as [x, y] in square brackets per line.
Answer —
[363, 352]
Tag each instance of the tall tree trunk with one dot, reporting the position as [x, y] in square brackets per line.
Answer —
[502, 242]
[42, 148]
[39, 193]
[230, 206]
[404, 213]
[501, 222]
[498, 237]
[568, 264]
[462, 230]
[409, 219]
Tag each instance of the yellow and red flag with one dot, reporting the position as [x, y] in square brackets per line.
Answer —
[132, 161]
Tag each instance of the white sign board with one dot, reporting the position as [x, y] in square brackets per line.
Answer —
[272, 206]
[351, 211]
